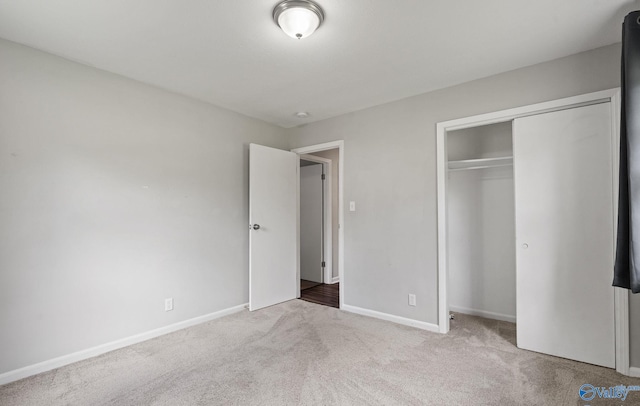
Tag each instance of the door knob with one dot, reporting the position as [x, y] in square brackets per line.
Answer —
[255, 226]
[525, 246]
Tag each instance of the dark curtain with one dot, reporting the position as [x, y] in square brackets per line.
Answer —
[626, 272]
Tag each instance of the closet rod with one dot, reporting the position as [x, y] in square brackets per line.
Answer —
[478, 167]
[482, 163]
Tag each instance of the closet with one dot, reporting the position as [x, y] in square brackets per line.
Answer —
[482, 262]
[529, 228]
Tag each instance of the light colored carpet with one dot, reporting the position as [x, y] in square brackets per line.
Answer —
[301, 353]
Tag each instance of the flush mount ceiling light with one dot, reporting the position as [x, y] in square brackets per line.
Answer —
[298, 18]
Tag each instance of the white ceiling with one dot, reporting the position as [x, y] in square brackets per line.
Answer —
[368, 52]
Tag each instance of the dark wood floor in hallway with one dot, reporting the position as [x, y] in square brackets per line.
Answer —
[327, 295]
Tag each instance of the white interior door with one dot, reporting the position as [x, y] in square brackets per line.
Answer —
[273, 195]
[564, 234]
[311, 222]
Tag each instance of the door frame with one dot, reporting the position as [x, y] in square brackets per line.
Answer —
[327, 226]
[339, 145]
[612, 96]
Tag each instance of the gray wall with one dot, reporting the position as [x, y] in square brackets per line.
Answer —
[390, 171]
[333, 154]
[114, 196]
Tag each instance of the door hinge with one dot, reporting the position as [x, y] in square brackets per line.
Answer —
[324, 264]
[323, 177]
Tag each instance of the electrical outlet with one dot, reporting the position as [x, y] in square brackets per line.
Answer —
[168, 304]
[412, 299]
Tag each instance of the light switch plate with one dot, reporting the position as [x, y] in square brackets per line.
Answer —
[352, 206]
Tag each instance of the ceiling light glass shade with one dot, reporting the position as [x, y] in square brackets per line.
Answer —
[298, 18]
[298, 22]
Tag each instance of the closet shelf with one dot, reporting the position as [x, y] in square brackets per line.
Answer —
[469, 164]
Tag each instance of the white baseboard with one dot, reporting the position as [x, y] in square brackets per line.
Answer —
[482, 313]
[335, 279]
[390, 317]
[58, 362]
[634, 372]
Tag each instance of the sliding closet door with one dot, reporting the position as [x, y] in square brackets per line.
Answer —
[564, 234]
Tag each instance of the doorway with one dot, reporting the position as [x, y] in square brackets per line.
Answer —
[315, 224]
[274, 224]
[331, 290]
